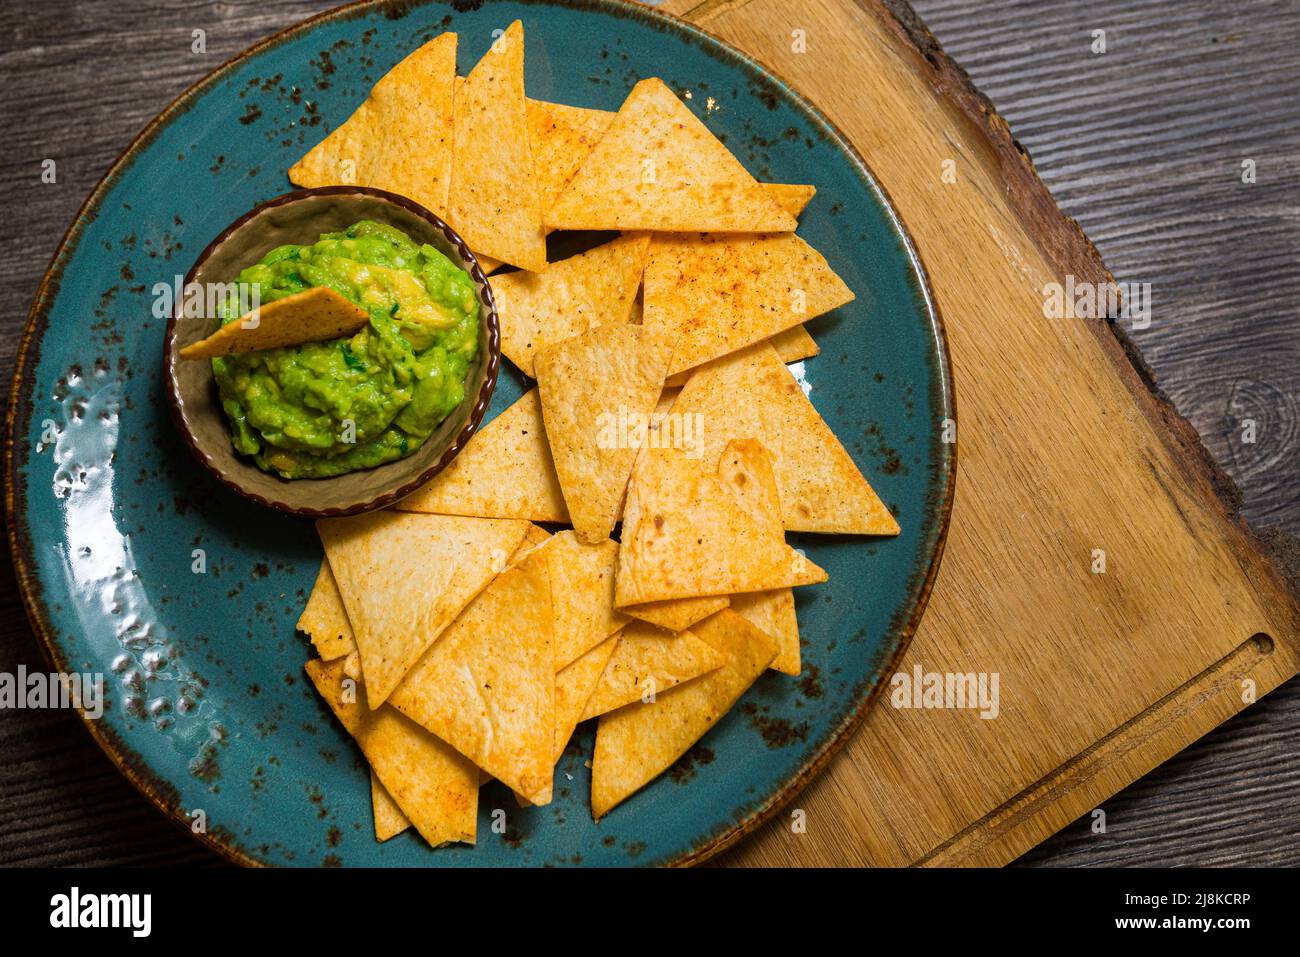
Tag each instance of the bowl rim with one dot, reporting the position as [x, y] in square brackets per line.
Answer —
[483, 290]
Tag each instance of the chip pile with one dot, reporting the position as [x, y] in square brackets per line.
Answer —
[459, 640]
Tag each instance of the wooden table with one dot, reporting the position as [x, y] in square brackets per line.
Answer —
[1142, 144]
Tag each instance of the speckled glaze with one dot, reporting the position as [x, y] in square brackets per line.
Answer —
[301, 217]
[136, 563]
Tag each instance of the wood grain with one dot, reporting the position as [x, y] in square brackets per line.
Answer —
[1143, 147]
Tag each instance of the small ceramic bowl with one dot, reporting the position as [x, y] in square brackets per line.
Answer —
[301, 217]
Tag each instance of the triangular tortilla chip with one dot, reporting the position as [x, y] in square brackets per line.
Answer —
[493, 202]
[562, 136]
[745, 467]
[681, 433]
[647, 662]
[792, 197]
[572, 296]
[685, 535]
[536, 535]
[325, 620]
[574, 686]
[773, 613]
[487, 686]
[505, 471]
[411, 104]
[659, 168]
[389, 819]
[677, 614]
[792, 345]
[405, 577]
[635, 744]
[591, 386]
[312, 315]
[582, 580]
[433, 785]
[751, 394]
[485, 262]
[716, 293]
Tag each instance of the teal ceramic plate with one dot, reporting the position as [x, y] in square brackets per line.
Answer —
[109, 515]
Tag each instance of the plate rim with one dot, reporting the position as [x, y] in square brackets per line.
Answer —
[124, 758]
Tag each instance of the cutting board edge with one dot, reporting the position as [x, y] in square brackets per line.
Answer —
[1083, 783]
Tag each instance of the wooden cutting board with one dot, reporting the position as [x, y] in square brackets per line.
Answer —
[1065, 447]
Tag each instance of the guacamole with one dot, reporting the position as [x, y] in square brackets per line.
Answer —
[325, 408]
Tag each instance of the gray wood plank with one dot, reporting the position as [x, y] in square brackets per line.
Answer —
[1142, 144]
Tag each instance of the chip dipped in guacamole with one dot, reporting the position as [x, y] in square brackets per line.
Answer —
[324, 408]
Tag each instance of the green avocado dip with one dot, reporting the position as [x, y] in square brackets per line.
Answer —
[325, 408]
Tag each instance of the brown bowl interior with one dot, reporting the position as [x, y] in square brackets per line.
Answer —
[301, 218]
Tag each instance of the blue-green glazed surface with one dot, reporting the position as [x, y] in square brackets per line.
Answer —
[208, 703]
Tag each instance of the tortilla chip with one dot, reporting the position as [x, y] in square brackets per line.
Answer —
[714, 294]
[574, 686]
[411, 104]
[562, 136]
[661, 429]
[505, 471]
[533, 540]
[433, 785]
[745, 467]
[751, 394]
[665, 404]
[773, 613]
[389, 819]
[677, 614]
[647, 662]
[404, 578]
[536, 535]
[572, 296]
[488, 264]
[582, 577]
[493, 202]
[637, 743]
[487, 686]
[325, 620]
[685, 535]
[312, 315]
[794, 344]
[591, 385]
[659, 168]
[792, 197]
